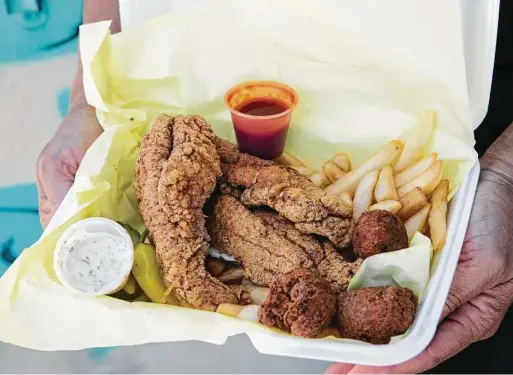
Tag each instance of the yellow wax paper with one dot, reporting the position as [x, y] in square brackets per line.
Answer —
[365, 71]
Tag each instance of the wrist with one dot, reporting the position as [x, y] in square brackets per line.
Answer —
[77, 95]
[498, 159]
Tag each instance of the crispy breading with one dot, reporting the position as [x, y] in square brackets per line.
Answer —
[300, 302]
[376, 314]
[267, 244]
[262, 251]
[328, 262]
[176, 172]
[288, 192]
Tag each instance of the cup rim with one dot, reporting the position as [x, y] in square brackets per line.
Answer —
[275, 84]
[61, 273]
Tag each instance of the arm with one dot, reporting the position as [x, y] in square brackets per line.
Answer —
[482, 288]
[94, 11]
[59, 161]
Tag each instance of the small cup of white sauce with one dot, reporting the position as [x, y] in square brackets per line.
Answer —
[94, 256]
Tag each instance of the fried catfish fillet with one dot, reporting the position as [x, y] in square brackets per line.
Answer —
[294, 196]
[268, 245]
[175, 174]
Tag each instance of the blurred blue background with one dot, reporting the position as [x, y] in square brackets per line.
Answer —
[38, 28]
[32, 31]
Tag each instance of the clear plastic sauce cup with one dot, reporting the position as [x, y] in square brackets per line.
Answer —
[261, 112]
[94, 257]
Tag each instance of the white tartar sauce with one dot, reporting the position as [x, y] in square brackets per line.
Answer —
[92, 260]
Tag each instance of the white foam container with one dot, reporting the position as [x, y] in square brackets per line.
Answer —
[480, 21]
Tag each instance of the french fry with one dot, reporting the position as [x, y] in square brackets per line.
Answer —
[304, 171]
[215, 266]
[412, 202]
[425, 228]
[229, 309]
[342, 161]
[428, 190]
[390, 206]
[364, 193]
[258, 294]
[385, 188]
[416, 223]
[289, 160]
[416, 139]
[248, 312]
[329, 332]
[383, 157]
[332, 172]
[438, 215]
[231, 275]
[415, 170]
[427, 181]
[320, 179]
[346, 198]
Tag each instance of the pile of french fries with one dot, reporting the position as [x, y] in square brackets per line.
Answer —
[398, 179]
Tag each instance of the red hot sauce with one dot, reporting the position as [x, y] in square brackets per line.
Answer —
[261, 113]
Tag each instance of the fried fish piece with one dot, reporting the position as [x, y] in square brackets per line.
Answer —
[261, 250]
[288, 192]
[176, 171]
[268, 245]
[328, 262]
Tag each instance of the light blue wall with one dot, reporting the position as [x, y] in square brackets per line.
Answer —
[35, 29]
[32, 30]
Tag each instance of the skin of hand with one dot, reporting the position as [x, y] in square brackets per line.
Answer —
[482, 288]
[59, 161]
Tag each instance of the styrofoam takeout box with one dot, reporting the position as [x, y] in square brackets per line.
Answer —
[480, 20]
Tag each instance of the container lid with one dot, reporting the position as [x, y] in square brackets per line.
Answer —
[480, 21]
[94, 256]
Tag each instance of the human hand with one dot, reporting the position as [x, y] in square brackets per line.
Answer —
[482, 288]
[61, 157]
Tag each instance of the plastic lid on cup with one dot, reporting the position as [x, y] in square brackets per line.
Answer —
[94, 257]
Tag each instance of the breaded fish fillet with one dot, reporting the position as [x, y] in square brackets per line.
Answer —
[289, 193]
[176, 172]
[268, 245]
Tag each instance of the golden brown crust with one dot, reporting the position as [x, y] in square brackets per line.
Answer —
[379, 232]
[262, 251]
[268, 245]
[328, 262]
[376, 314]
[300, 302]
[176, 172]
[288, 192]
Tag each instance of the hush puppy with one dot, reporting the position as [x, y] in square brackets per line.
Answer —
[379, 232]
[375, 315]
[300, 302]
